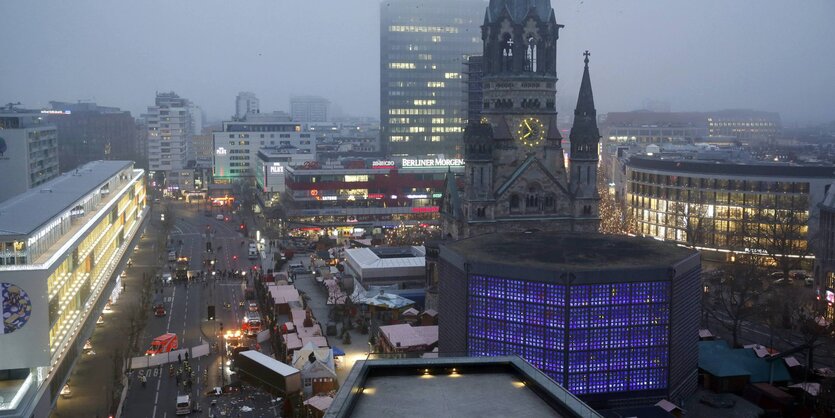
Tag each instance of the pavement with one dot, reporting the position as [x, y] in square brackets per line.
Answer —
[95, 375]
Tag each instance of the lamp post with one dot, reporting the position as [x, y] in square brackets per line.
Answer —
[222, 360]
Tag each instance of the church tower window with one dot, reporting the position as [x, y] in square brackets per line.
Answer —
[530, 55]
[507, 53]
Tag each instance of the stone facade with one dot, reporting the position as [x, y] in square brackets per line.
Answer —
[516, 178]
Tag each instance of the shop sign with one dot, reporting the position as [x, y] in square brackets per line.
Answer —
[276, 169]
[425, 209]
[438, 162]
[383, 164]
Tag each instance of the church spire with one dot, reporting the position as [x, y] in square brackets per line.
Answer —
[584, 133]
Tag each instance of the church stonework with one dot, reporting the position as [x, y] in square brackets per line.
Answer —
[515, 175]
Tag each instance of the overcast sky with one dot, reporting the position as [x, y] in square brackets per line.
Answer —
[776, 55]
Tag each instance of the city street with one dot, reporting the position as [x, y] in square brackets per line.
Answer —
[187, 305]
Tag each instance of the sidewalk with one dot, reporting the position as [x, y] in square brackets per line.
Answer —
[94, 375]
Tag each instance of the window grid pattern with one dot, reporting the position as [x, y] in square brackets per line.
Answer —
[617, 337]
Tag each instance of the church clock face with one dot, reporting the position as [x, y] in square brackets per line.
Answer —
[530, 131]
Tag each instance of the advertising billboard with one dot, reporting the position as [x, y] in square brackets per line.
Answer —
[24, 336]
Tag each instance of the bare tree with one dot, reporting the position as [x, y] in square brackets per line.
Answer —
[779, 231]
[738, 288]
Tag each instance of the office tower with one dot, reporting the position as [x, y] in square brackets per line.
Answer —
[309, 109]
[246, 103]
[28, 151]
[423, 47]
[169, 132]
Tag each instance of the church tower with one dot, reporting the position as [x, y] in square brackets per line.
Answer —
[515, 173]
[584, 143]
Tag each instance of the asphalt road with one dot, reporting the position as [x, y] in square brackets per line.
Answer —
[186, 307]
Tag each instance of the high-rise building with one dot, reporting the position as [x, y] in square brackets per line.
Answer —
[28, 151]
[62, 247]
[516, 178]
[169, 132]
[474, 72]
[246, 103]
[309, 109]
[423, 46]
[89, 132]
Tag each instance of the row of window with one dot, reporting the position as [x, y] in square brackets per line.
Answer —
[719, 184]
[580, 295]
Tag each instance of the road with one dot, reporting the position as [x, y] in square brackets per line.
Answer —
[187, 309]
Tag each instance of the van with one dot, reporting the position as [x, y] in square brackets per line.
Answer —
[253, 252]
[297, 268]
[172, 256]
[162, 344]
[183, 405]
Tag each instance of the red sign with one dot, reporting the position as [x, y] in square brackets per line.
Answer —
[376, 196]
[425, 209]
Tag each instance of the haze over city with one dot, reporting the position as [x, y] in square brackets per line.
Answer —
[769, 55]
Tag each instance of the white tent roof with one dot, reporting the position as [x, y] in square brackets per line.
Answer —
[369, 265]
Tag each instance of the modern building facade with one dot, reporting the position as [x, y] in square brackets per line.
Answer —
[423, 46]
[474, 71]
[269, 168]
[89, 132]
[723, 207]
[170, 128]
[246, 103]
[383, 194]
[236, 146]
[61, 248]
[647, 127]
[309, 109]
[613, 319]
[515, 177]
[825, 248]
[28, 152]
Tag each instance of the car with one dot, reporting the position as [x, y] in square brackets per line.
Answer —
[166, 277]
[219, 217]
[123, 274]
[66, 392]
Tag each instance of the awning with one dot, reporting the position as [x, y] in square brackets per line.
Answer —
[337, 351]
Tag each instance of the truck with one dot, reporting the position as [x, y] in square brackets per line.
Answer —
[276, 377]
[162, 344]
[252, 323]
[159, 307]
[181, 268]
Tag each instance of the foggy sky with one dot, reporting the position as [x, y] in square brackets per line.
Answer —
[772, 55]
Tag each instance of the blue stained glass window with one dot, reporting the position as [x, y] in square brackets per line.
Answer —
[659, 313]
[515, 311]
[534, 335]
[535, 314]
[621, 293]
[496, 308]
[598, 360]
[598, 382]
[554, 317]
[478, 306]
[535, 356]
[598, 338]
[475, 327]
[639, 358]
[638, 379]
[495, 348]
[640, 314]
[659, 335]
[578, 339]
[599, 316]
[658, 357]
[660, 292]
[515, 333]
[554, 339]
[477, 347]
[535, 292]
[495, 287]
[640, 337]
[578, 361]
[578, 383]
[579, 318]
[516, 349]
[619, 316]
[656, 379]
[552, 360]
[556, 376]
[478, 285]
[515, 289]
[580, 295]
[555, 294]
[620, 337]
[601, 294]
[618, 381]
[619, 359]
[494, 330]
[641, 293]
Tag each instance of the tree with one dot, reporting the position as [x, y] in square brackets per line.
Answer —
[779, 231]
[808, 322]
[738, 288]
[692, 222]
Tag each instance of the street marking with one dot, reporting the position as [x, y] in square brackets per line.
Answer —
[169, 299]
[168, 326]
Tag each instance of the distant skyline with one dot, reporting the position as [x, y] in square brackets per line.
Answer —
[770, 55]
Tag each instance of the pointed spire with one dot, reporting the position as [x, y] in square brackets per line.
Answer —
[585, 101]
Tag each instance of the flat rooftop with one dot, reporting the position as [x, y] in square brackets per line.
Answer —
[453, 387]
[28, 211]
[555, 251]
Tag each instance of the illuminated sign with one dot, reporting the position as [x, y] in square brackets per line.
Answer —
[56, 112]
[221, 151]
[426, 209]
[830, 297]
[437, 195]
[455, 162]
[416, 196]
[328, 197]
[276, 168]
[376, 196]
[314, 192]
[383, 164]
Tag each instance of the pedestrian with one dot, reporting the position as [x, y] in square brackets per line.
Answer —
[186, 355]
[179, 358]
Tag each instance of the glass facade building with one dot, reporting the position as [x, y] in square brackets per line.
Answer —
[423, 47]
[725, 207]
[61, 248]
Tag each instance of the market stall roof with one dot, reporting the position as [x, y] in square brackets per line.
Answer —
[321, 403]
[405, 335]
[376, 262]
